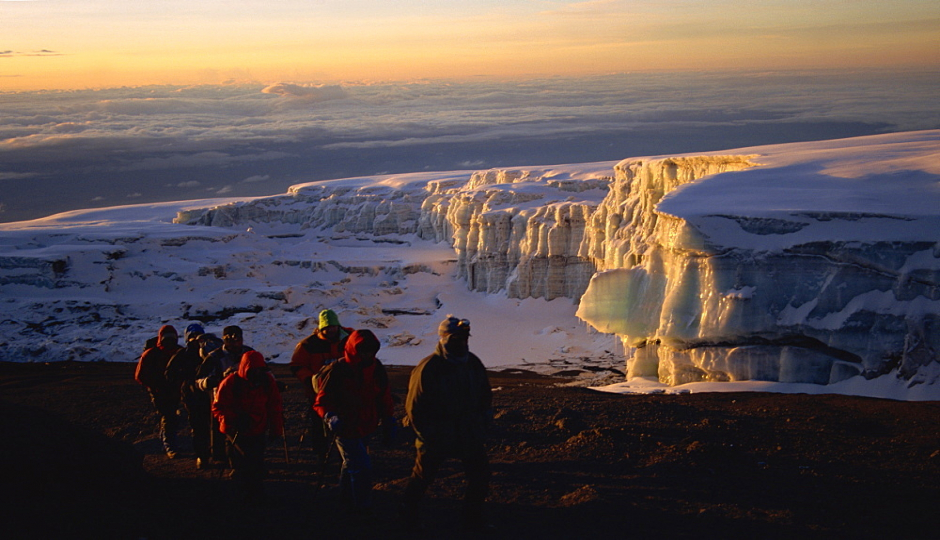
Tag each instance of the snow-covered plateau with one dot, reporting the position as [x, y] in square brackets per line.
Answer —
[814, 264]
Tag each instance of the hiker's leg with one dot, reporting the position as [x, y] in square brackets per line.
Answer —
[200, 421]
[169, 422]
[427, 462]
[317, 433]
[477, 467]
[254, 447]
[357, 467]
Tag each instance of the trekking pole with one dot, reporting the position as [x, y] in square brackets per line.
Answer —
[231, 441]
[286, 455]
[323, 462]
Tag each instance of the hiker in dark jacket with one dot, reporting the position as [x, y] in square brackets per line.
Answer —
[181, 370]
[248, 406]
[151, 374]
[354, 399]
[321, 348]
[216, 366]
[449, 405]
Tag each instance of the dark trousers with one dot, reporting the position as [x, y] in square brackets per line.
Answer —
[200, 420]
[168, 410]
[427, 463]
[316, 433]
[355, 483]
[246, 454]
[218, 443]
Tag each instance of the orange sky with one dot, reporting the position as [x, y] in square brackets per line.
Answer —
[61, 44]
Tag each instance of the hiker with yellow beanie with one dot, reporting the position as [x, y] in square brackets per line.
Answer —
[321, 348]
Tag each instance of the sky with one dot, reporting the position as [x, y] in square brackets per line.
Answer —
[130, 269]
[68, 44]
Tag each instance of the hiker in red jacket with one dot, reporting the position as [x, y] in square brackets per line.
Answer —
[151, 374]
[248, 406]
[354, 399]
[215, 366]
[318, 350]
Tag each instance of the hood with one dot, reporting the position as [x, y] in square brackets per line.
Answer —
[251, 359]
[361, 347]
[165, 330]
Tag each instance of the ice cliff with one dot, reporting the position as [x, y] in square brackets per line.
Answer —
[519, 230]
[817, 264]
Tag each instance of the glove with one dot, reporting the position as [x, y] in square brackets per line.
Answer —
[333, 422]
[389, 431]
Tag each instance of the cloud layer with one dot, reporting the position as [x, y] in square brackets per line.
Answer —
[94, 148]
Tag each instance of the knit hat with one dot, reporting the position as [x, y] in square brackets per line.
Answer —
[453, 325]
[194, 330]
[231, 331]
[328, 318]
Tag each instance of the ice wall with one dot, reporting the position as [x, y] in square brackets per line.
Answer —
[374, 210]
[518, 230]
[810, 268]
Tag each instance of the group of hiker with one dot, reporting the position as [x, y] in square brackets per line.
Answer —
[235, 410]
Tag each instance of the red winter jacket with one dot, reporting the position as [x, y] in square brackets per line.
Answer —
[241, 407]
[314, 352]
[355, 388]
[151, 367]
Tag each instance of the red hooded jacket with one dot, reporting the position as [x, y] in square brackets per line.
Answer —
[355, 388]
[151, 367]
[241, 407]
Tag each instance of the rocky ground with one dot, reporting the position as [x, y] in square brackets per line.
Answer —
[80, 460]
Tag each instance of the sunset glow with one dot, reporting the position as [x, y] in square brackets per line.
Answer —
[58, 44]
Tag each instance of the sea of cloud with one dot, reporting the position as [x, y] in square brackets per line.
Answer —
[67, 150]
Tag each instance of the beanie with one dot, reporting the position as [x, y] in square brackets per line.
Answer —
[232, 331]
[453, 325]
[194, 330]
[328, 318]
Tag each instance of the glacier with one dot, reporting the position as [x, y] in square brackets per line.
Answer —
[810, 265]
[802, 263]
